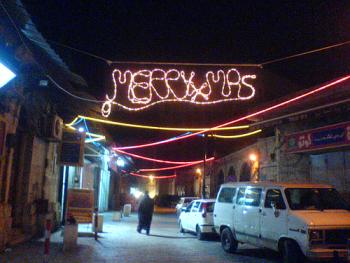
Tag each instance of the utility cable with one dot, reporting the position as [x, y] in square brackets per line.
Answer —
[304, 53]
[42, 69]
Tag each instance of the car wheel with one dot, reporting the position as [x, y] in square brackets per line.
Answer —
[200, 235]
[182, 230]
[291, 252]
[228, 242]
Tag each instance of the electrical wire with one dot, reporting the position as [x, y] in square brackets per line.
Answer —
[110, 62]
[304, 53]
[276, 106]
[42, 69]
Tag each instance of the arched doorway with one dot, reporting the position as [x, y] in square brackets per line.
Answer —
[245, 173]
[219, 180]
[231, 176]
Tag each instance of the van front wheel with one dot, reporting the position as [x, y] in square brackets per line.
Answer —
[291, 252]
[228, 242]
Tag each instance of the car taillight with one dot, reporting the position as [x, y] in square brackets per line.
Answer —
[204, 212]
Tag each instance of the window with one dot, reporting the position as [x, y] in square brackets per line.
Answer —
[195, 206]
[240, 196]
[275, 196]
[314, 199]
[253, 196]
[209, 207]
[226, 195]
[188, 208]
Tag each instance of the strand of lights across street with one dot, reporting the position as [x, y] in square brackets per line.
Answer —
[235, 136]
[144, 80]
[153, 176]
[175, 167]
[276, 106]
[155, 160]
[97, 137]
[130, 125]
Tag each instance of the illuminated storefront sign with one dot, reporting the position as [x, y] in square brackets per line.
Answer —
[332, 136]
[144, 88]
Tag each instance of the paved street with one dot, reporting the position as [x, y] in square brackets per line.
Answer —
[121, 243]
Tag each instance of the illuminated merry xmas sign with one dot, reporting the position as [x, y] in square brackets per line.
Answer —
[144, 88]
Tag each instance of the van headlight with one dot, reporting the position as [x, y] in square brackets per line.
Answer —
[315, 236]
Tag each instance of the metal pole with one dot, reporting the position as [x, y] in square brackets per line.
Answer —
[64, 195]
[96, 223]
[204, 163]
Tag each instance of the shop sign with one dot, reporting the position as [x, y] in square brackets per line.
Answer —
[72, 148]
[337, 135]
[80, 205]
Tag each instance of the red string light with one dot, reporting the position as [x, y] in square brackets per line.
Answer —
[276, 106]
[154, 177]
[175, 167]
[156, 160]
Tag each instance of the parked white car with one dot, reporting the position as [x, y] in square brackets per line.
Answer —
[198, 218]
[183, 203]
[297, 220]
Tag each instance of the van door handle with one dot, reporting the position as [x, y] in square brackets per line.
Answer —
[214, 215]
[233, 207]
[260, 210]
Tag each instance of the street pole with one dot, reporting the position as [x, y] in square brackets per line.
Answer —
[204, 163]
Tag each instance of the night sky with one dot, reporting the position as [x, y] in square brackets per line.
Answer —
[198, 31]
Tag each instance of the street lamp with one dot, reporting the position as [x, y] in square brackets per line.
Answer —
[255, 165]
[6, 75]
[253, 157]
[120, 162]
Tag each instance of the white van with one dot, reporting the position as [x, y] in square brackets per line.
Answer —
[297, 220]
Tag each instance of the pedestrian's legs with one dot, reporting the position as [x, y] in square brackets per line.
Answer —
[147, 230]
[139, 228]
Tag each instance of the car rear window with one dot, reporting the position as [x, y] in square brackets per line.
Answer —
[188, 200]
[210, 207]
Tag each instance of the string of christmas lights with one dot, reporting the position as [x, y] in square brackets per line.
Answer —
[153, 176]
[235, 136]
[142, 82]
[130, 125]
[276, 106]
[154, 160]
[175, 167]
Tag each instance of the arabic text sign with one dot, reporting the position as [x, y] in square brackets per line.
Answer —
[316, 139]
[80, 204]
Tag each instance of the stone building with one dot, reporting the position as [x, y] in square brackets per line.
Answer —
[304, 141]
[31, 108]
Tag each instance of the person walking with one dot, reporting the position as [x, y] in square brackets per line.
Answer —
[145, 213]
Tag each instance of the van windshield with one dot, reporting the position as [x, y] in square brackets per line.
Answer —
[314, 199]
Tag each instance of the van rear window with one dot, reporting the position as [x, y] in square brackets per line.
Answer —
[226, 195]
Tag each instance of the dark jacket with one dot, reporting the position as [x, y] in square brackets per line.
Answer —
[145, 211]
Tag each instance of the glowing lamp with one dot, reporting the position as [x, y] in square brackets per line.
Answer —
[81, 129]
[198, 171]
[120, 162]
[6, 75]
[253, 157]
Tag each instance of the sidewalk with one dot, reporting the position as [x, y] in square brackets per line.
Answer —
[117, 243]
